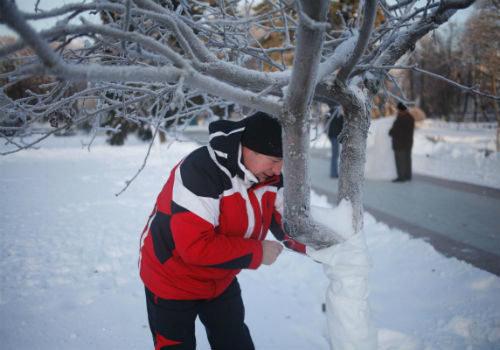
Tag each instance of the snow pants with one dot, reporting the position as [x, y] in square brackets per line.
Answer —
[172, 322]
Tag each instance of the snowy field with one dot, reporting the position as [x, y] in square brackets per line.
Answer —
[458, 152]
[69, 250]
[461, 152]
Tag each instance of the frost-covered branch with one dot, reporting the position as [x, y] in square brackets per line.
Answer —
[144, 162]
[407, 38]
[205, 61]
[96, 72]
[369, 11]
[338, 58]
[467, 89]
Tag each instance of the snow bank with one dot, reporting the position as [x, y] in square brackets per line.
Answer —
[346, 266]
[380, 163]
[461, 152]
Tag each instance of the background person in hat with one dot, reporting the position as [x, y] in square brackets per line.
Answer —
[210, 221]
[402, 142]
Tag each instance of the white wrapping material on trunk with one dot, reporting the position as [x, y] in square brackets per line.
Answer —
[347, 307]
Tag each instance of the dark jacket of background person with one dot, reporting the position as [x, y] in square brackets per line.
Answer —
[335, 127]
[402, 131]
[402, 142]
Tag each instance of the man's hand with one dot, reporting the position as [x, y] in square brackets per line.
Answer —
[270, 251]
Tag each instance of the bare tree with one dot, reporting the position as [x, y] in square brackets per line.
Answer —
[466, 55]
[481, 47]
[158, 56]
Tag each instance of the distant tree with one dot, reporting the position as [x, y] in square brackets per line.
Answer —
[481, 47]
[468, 57]
[437, 53]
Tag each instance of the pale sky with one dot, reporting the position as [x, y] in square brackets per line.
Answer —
[29, 6]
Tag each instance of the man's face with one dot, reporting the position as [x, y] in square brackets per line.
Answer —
[261, 165]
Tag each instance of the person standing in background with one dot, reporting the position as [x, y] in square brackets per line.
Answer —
[335, 125]
[402, 142]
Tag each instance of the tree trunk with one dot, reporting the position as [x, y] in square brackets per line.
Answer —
[297, 191]
[466, 105]
[296, 122]
[475, 109]
[411, 77]
[353, 154]
[347, 265]
[498, 135]
[352, 163]
[495, 104]
[423, 99]
[350, 325]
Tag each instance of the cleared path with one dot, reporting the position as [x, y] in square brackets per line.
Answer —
[458, 219]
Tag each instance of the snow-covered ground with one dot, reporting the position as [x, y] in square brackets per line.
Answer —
[69, 250]
[458, 152]
[461, 152]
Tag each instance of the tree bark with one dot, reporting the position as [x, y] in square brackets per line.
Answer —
[495, 104]
[353, 154]
[296, 120]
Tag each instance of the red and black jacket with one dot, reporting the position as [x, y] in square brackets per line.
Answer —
[209, 220]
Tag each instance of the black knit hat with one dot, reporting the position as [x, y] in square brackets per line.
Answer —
[262, 134]
[401, 106]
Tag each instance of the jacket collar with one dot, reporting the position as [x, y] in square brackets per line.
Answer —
[225, 146]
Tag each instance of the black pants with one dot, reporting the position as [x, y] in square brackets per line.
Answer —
[172, 321]
[403, 164]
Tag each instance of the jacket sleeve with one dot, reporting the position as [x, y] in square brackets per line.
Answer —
[277, 227]
[195, 214]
